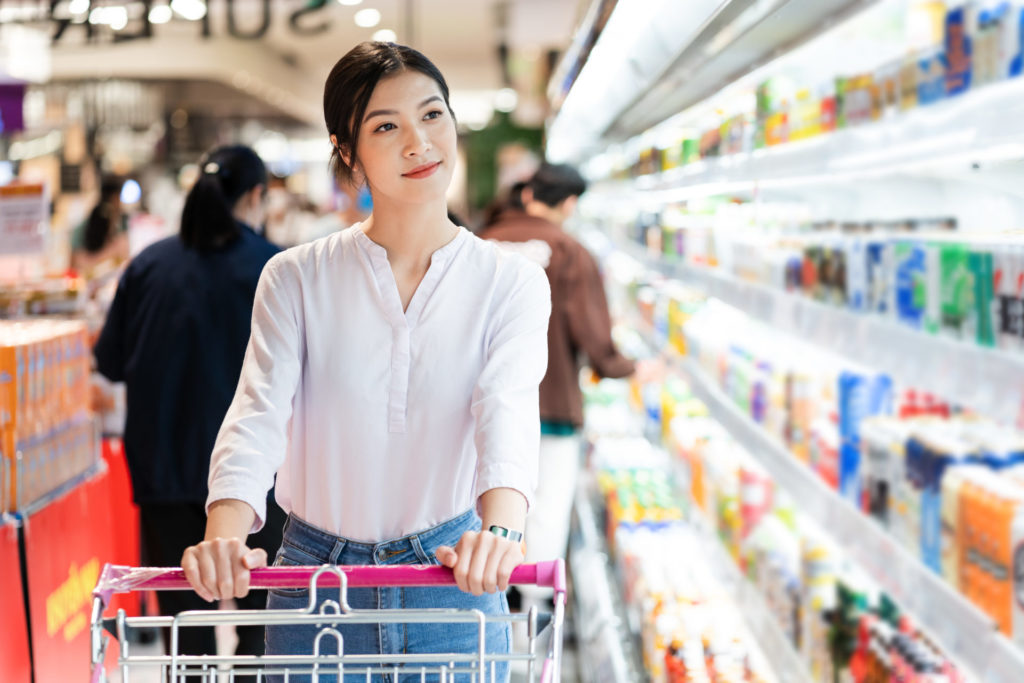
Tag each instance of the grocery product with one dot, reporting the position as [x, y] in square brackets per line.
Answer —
[44, 406]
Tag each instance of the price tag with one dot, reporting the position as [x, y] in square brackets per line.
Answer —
[24, 219]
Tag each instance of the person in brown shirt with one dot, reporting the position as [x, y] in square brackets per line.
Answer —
[580, 326]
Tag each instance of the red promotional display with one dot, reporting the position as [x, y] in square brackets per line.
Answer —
[66, 544]
[124, 517]
[14, 655]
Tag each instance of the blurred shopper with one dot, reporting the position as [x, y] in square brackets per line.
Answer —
[391, 382]
[176, 335]
[101, 239]
[580, 325]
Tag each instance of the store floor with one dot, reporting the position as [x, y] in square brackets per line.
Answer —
[226, 641]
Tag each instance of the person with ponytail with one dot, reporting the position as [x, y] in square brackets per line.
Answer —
[101, 238]
[176, 335]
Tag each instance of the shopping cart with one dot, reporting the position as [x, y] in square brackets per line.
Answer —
[478, 666]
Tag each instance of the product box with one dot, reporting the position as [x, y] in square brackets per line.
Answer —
[956, 290]
[931, 78]
[909, 282]
[959, 51]
[856, 273]
[980, 320]
[879, 277]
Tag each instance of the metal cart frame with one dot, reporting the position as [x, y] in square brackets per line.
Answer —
[447, 667]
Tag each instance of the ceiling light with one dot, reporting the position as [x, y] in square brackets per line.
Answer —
[78, 6]
[115, 17]
[131, 192]
[160, 14]
[118, 17]
[367, 18]
[350, 2]
[193, 10]
[506, 100]
[385, 35]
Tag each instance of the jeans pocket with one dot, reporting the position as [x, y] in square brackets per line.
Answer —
[283, 560]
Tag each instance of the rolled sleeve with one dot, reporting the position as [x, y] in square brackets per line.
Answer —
[253, 439]
[506, 398]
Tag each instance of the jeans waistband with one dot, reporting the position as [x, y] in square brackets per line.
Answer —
[327, 546]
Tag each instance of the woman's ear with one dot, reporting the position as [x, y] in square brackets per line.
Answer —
[342, 151]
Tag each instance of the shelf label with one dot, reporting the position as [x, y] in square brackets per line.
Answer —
[24, 219]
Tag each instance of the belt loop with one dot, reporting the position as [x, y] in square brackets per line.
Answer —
[417, 547]
[339, 545]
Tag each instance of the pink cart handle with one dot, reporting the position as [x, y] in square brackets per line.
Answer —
[121, 579]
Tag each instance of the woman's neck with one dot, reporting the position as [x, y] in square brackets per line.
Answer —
[410, 232]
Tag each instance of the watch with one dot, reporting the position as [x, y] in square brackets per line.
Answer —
[514, 536]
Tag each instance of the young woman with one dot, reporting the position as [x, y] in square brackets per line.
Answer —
[391, 382]
[176, 334]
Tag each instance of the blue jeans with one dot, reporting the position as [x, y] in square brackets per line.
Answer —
[305, 544]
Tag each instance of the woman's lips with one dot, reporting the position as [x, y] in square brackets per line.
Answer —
[424, 171]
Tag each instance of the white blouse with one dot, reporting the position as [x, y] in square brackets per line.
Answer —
[381, 423]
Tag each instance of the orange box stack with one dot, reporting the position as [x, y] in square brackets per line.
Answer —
[46, 430]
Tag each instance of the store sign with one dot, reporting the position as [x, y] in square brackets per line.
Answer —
[301, 21]
[14, 658]
[24, 219]
[66, 544]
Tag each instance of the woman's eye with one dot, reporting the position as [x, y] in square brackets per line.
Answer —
[437, 113]
[384, 127]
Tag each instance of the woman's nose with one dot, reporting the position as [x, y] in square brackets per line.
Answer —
[418, 142]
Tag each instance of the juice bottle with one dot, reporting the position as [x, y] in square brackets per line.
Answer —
[1017, 571]
[952, 487]
[1008, 507]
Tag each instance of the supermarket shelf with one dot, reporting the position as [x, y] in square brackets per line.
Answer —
[741, 36]
[763, 626]
[990, 381]
[921, 141]
[602, 628]
[962, 630]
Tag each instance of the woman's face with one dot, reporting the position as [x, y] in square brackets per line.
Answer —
[407, 142]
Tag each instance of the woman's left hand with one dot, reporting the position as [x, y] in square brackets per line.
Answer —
[482, 562]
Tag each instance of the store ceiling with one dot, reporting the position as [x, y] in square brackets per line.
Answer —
[284, 69]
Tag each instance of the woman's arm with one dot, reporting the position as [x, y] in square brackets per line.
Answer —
[251, 444]
[483, 562]
[218, 568]
[506, 410]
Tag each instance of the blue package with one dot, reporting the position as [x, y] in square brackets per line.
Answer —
[878, 277]
[931, 79]
[958, 58]
[1017, 62]
[933, 461]
[861, 396]
[909, 266]
[849, 471]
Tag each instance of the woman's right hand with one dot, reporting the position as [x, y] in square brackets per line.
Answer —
[219, 568]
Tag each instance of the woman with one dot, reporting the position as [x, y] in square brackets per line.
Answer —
[390, 381]
[176, 335]
[101, 240]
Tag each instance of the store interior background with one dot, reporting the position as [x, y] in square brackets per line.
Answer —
[107, 92]
[799, 206]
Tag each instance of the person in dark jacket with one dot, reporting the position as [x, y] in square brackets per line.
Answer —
[176, 335]
[580, 326]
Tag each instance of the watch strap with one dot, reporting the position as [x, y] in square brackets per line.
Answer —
[514, 536]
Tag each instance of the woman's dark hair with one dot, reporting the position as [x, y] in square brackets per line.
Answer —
[350, 85]
[552, 184]
[226, 174]
[99, 227]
